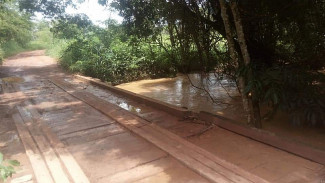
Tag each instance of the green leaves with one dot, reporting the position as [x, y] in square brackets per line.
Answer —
[1, 158]
[1, 55]
[15, 29]
[69, 27]
[14, 162]
[7, 167]
[293, 89]
[50, 8]
[14, 26]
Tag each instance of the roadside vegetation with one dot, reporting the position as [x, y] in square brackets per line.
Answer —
[109, 53]
[7, 168]
[18, 32]
[273, 50]
[14, 29]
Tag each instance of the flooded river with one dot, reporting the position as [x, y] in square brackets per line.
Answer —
[191, 92]
[179, 91]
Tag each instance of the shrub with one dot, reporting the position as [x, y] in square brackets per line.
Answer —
[7, 167]
[11, 48]
[122, 61]
[1, 56]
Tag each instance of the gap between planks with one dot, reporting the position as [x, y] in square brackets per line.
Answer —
[199, 160]
[71, 165]
[43, 169]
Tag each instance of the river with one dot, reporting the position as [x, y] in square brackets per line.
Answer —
[194, 92]
[179, 91]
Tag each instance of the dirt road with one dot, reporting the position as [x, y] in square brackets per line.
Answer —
[78, 129]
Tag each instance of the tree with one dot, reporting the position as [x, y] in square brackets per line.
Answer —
[252, 100]
[247, 102]
[49, 8]
[68, 27]
[14, 26]
[272, 42]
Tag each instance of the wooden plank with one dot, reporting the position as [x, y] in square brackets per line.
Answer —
[210, 156]
[184, 149]
[127, 144]
[41, 171]
[118, 115]
[78, 126]
[118, 153]
[110, 110]
[178, 173]
[71, 165]
[49, 155]
[140, 172]
[92, 134]
[187, 160]
[123, 162]
[161, 142]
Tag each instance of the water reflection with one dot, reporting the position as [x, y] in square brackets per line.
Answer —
[113, 98]
[190, 91]
[128, 107]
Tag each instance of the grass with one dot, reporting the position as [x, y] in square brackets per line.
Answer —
[12, 48]
[44, 40]
[56, 47]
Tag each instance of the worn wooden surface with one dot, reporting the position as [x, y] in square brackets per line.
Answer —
[179, 148]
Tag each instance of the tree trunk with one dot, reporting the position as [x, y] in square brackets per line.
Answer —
[256, 116]
[247, 101]
[231, 43]
[172, 41]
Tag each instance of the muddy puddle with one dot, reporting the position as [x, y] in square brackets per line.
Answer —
[12, 79]
[110, 97]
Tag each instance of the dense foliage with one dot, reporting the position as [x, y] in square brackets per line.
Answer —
[49, 8]
[285, 41]
[108, 53]
[15, 29]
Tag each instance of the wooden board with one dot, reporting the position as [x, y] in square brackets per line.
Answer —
[41, 172]
[72, 167]
[48, 153]
[198, 162]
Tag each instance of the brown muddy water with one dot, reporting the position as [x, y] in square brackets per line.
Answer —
[183, 91]
[13, 79]
[179, 91]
